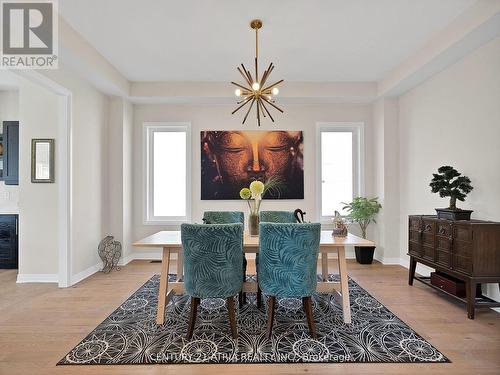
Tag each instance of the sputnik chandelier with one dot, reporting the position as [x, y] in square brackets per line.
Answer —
[254, 91]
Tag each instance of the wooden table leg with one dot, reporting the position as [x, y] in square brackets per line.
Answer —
[324, 266]
[180, 266]
[162, 294]
[346, 305]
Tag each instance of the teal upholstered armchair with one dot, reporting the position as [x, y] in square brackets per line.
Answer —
[228, 217]
[288, 256]
[272, 217]
[277, 217]
[223, 217]
[213, 258]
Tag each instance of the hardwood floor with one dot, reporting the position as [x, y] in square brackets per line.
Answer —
[40, 323]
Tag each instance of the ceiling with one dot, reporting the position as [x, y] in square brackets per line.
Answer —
[308, 40]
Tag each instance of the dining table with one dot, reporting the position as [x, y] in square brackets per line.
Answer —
[330, 247]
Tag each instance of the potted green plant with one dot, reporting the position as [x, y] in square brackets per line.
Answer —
[448, 182]
[362, 211]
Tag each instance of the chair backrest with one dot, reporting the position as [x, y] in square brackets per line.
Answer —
[223, 217]
[277, 217]
[213, 259]
[288, 255]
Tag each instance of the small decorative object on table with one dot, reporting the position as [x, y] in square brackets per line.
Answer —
[339, 226]
[110, 252]
[448, 182]
[363, 211]
[253, 195]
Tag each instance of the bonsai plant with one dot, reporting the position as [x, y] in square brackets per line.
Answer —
[448, 182]
[362, 211]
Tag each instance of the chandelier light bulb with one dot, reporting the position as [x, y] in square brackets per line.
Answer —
[255, 86]
[237, 92]
[275, 91]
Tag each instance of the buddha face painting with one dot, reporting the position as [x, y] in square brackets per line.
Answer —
[231, 160]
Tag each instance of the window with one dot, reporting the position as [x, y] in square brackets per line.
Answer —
[168, 173]
[339, 162]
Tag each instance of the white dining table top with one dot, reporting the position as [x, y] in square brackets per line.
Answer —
[172, 239]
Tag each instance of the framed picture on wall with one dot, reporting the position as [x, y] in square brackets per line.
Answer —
[231, 160]
[42, 160]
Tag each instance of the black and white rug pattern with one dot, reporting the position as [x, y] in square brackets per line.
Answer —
[130, 334]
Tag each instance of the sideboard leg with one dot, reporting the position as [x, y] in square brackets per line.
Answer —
[411, 274]
[470, 291]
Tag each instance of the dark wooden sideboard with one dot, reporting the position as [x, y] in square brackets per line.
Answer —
[466, 250]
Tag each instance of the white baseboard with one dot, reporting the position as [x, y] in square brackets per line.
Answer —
[391, 261]
[37, 278]
[126, 260]
[85, 273]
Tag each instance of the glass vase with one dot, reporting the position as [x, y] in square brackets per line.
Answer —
[253, 224]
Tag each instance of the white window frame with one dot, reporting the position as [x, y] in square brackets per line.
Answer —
[358, 161]
[149, 128]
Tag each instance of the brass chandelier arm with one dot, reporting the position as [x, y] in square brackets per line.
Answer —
[242, 105]
[259, 102]
[244, 74]
[258, 111]
[249, 108]
[274, 84]
[263, 105]
[266, 74]
[242, 87]
[250, 75]
[275, 106]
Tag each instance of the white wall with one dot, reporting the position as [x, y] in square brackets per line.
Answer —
[119, 172]
[453, 119]
[385, 139]
[218, 117]
[38, 203]
[9, 111]
[89, 172]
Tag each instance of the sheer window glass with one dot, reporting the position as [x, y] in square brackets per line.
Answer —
[168, 173]
[340, 168]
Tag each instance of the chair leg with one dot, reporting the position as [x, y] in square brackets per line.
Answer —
[192, 316]
[242, 297]
[270, 315]
[307, 302]
[232, 317]
[259, 297]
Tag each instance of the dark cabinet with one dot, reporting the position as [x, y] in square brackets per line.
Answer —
[11, 152]
[8, 241]
[466, 250]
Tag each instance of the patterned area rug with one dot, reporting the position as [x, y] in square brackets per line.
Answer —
[130, 334]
